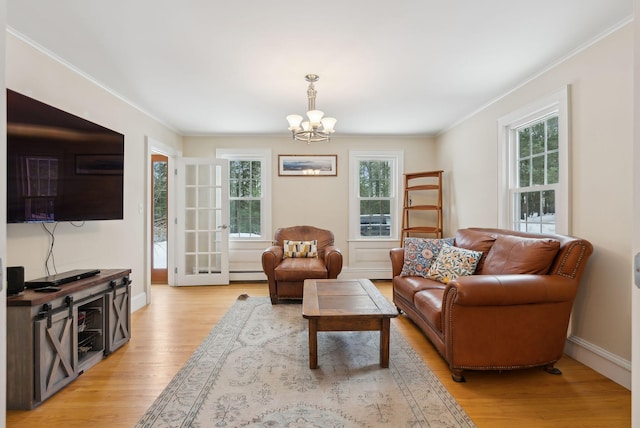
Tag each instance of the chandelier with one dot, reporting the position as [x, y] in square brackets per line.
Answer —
[317, 128]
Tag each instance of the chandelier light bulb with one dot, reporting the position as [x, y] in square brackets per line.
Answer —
[315, 116]
[328, 123]
[294, 122]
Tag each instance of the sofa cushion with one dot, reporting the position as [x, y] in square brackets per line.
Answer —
[453, 262]
[419, 253]
[304, 249]
[429, 304]
[408, 286]
[520, 255]
[477, 241]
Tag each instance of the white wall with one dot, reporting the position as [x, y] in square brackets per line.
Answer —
[100, 244]
[322, 201]
[601, 87]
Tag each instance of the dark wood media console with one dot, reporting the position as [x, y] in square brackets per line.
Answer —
[52, 338]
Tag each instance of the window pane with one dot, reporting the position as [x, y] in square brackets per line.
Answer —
[548, 218]
[552, 168]
[375, 218]
[524, 173]
[537, 138]
[375, 179]
[523, 139]
[537, 176]
[552, 133]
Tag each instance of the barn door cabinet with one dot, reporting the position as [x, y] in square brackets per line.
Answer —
[52, 338]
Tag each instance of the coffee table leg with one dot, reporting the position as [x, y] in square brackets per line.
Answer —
[384, 342]
[313, 343]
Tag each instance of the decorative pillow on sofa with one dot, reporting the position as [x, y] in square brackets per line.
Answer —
[419, 253]
[515, 254]
[302, 249]
[453, 262]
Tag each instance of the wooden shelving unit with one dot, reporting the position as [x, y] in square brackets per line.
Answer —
[424, 217]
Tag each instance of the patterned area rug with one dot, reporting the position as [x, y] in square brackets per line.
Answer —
[253, 370]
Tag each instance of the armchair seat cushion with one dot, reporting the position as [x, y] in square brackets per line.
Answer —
[299, 269]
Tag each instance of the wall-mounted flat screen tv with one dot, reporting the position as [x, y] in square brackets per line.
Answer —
[60, 167]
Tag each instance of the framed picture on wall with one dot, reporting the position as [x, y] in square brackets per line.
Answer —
[308, 165]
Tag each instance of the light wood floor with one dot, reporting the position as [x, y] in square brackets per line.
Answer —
[117, 391]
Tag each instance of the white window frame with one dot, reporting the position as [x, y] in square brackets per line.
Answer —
[263, 156]
[555, 103]
[396, 158]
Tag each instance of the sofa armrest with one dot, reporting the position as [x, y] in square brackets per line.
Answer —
[397, 260]
[333, 261]
[506, 290]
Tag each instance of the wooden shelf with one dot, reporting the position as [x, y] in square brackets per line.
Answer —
[427, 187]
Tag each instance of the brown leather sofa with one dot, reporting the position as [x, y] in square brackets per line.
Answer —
[497, 318]
[286, 275]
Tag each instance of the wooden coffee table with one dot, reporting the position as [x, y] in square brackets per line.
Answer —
[346, 305]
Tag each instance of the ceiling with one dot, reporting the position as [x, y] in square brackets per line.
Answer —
[407, 67]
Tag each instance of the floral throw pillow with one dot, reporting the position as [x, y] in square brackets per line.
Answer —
[419, 253]
[303, 249]
[453, 262]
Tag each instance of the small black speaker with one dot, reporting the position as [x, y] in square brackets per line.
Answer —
[15, 280]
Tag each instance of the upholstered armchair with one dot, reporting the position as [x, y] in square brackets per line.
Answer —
[299, 253]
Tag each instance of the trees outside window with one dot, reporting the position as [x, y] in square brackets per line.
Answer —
[538, 176]
[249, 205]
[533, 170]
[245, 198]
[374, 194]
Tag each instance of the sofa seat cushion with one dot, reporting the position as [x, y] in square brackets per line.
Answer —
[429, 304]
[408, 286]
[520, 255]
[299, 269]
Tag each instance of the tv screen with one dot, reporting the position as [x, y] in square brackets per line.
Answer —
[60, 167]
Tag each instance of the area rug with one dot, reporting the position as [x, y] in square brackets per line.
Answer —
[253, 370]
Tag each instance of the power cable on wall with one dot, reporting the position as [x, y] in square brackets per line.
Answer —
[52, 240]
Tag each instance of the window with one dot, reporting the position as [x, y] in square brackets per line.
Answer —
[248, 218]
[534, 167]
[374, 201]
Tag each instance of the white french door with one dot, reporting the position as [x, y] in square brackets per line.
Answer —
[202, 256]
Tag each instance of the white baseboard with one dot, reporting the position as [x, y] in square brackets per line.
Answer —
[138, 302]
[604, 362]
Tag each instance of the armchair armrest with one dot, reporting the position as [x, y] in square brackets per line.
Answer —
[271, 257]
[333, 261]
[506, 290]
